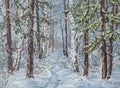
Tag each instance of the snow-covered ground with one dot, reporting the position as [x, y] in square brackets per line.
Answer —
[55, 71]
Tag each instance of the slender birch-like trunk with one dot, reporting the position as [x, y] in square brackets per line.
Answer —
[73, 41]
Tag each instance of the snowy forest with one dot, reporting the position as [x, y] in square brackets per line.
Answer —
[59, 43]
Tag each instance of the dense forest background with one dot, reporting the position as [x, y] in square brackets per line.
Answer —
[64, 38]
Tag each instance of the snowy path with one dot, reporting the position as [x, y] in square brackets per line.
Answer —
[61, 76]
[65, 79]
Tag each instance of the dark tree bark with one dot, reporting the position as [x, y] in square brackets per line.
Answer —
[30, 42]
[103, 42]
[85, 54]
[116, 12]
[65, 49]
[85, 50]
[9, 41]
[110, 48]
[39, 53]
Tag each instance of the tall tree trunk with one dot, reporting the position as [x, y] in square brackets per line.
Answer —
[39, 53]
[9, 41]
[20, 40]
[65, 51]
[110, 49]
[30, 42]
[51, 37]
[103, 42]
[45, 42]
[73, 41]
[85, 50]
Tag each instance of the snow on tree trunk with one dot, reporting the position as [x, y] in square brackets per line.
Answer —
[19, 45]
[51, 39]
[45, 32]
[73, 41]
[39, 53]
[19, 50]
